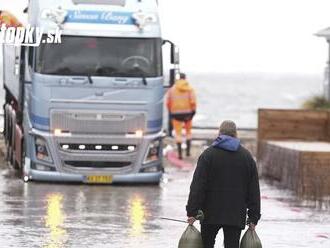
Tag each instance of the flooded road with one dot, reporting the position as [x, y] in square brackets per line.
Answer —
[54, 216]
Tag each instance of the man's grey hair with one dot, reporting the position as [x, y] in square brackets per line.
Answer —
[228, 127]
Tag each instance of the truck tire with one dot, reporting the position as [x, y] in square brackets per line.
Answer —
[8, 139]
[21, 168]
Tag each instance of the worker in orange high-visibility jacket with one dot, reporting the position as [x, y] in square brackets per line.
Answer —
[181, 103]
[9, 20]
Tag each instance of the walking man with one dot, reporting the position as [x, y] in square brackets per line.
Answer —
[225, 187]
[181, 103]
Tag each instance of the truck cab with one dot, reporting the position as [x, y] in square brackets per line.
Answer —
[89, 106]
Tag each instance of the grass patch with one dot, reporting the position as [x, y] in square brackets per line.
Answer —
[316, 102]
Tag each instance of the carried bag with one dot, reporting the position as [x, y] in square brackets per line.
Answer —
[250, 240]
[191, 238]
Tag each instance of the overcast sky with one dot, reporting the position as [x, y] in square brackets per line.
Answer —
[254, 35]
[241, 35]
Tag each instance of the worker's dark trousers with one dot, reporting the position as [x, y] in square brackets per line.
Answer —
[231, 235]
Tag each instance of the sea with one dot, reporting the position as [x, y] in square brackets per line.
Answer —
[238, 96]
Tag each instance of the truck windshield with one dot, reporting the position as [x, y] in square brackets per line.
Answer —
[98, 56]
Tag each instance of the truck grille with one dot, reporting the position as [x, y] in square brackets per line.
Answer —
[97, 164]
[96, 122]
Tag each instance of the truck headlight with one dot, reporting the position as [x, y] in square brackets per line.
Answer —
[42, 151]
[153, 152]
[153, 168]
[40, 167]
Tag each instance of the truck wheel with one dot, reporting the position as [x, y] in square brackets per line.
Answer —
[21, 168]
[13, 161]
[6, 131]
[5, 123]
[8, 153]
[9, 147]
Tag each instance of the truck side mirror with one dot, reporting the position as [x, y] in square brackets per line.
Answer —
[172, 78]
[175, 55]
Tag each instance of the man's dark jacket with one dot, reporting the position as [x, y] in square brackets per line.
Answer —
[225, 185]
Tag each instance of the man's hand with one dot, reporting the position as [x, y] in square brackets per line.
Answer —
[252, 226]
[191, 220]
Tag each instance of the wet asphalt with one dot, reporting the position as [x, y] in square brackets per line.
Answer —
[77, 215]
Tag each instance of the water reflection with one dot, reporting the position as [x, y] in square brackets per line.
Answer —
[54, 221]
[137, 215]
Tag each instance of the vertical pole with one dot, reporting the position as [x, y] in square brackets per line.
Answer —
[327, 93]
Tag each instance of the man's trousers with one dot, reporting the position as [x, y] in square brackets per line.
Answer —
[231, 235]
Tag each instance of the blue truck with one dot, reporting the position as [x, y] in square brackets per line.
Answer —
[88, 107]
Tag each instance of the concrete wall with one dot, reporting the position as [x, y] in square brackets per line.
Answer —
[309, 125]
[305, 172]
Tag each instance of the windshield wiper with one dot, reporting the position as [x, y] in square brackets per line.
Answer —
[144, 80]
[137, 70]
[141, 74]
[90, 80]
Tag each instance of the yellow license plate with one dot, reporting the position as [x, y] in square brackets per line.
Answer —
[99, 179]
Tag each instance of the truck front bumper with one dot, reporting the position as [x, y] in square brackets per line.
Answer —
[138, 173]
[53, 176]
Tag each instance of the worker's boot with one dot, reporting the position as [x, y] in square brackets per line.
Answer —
[179, 150]
[188, 148]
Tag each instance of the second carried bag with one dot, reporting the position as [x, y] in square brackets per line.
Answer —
[250, 240]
